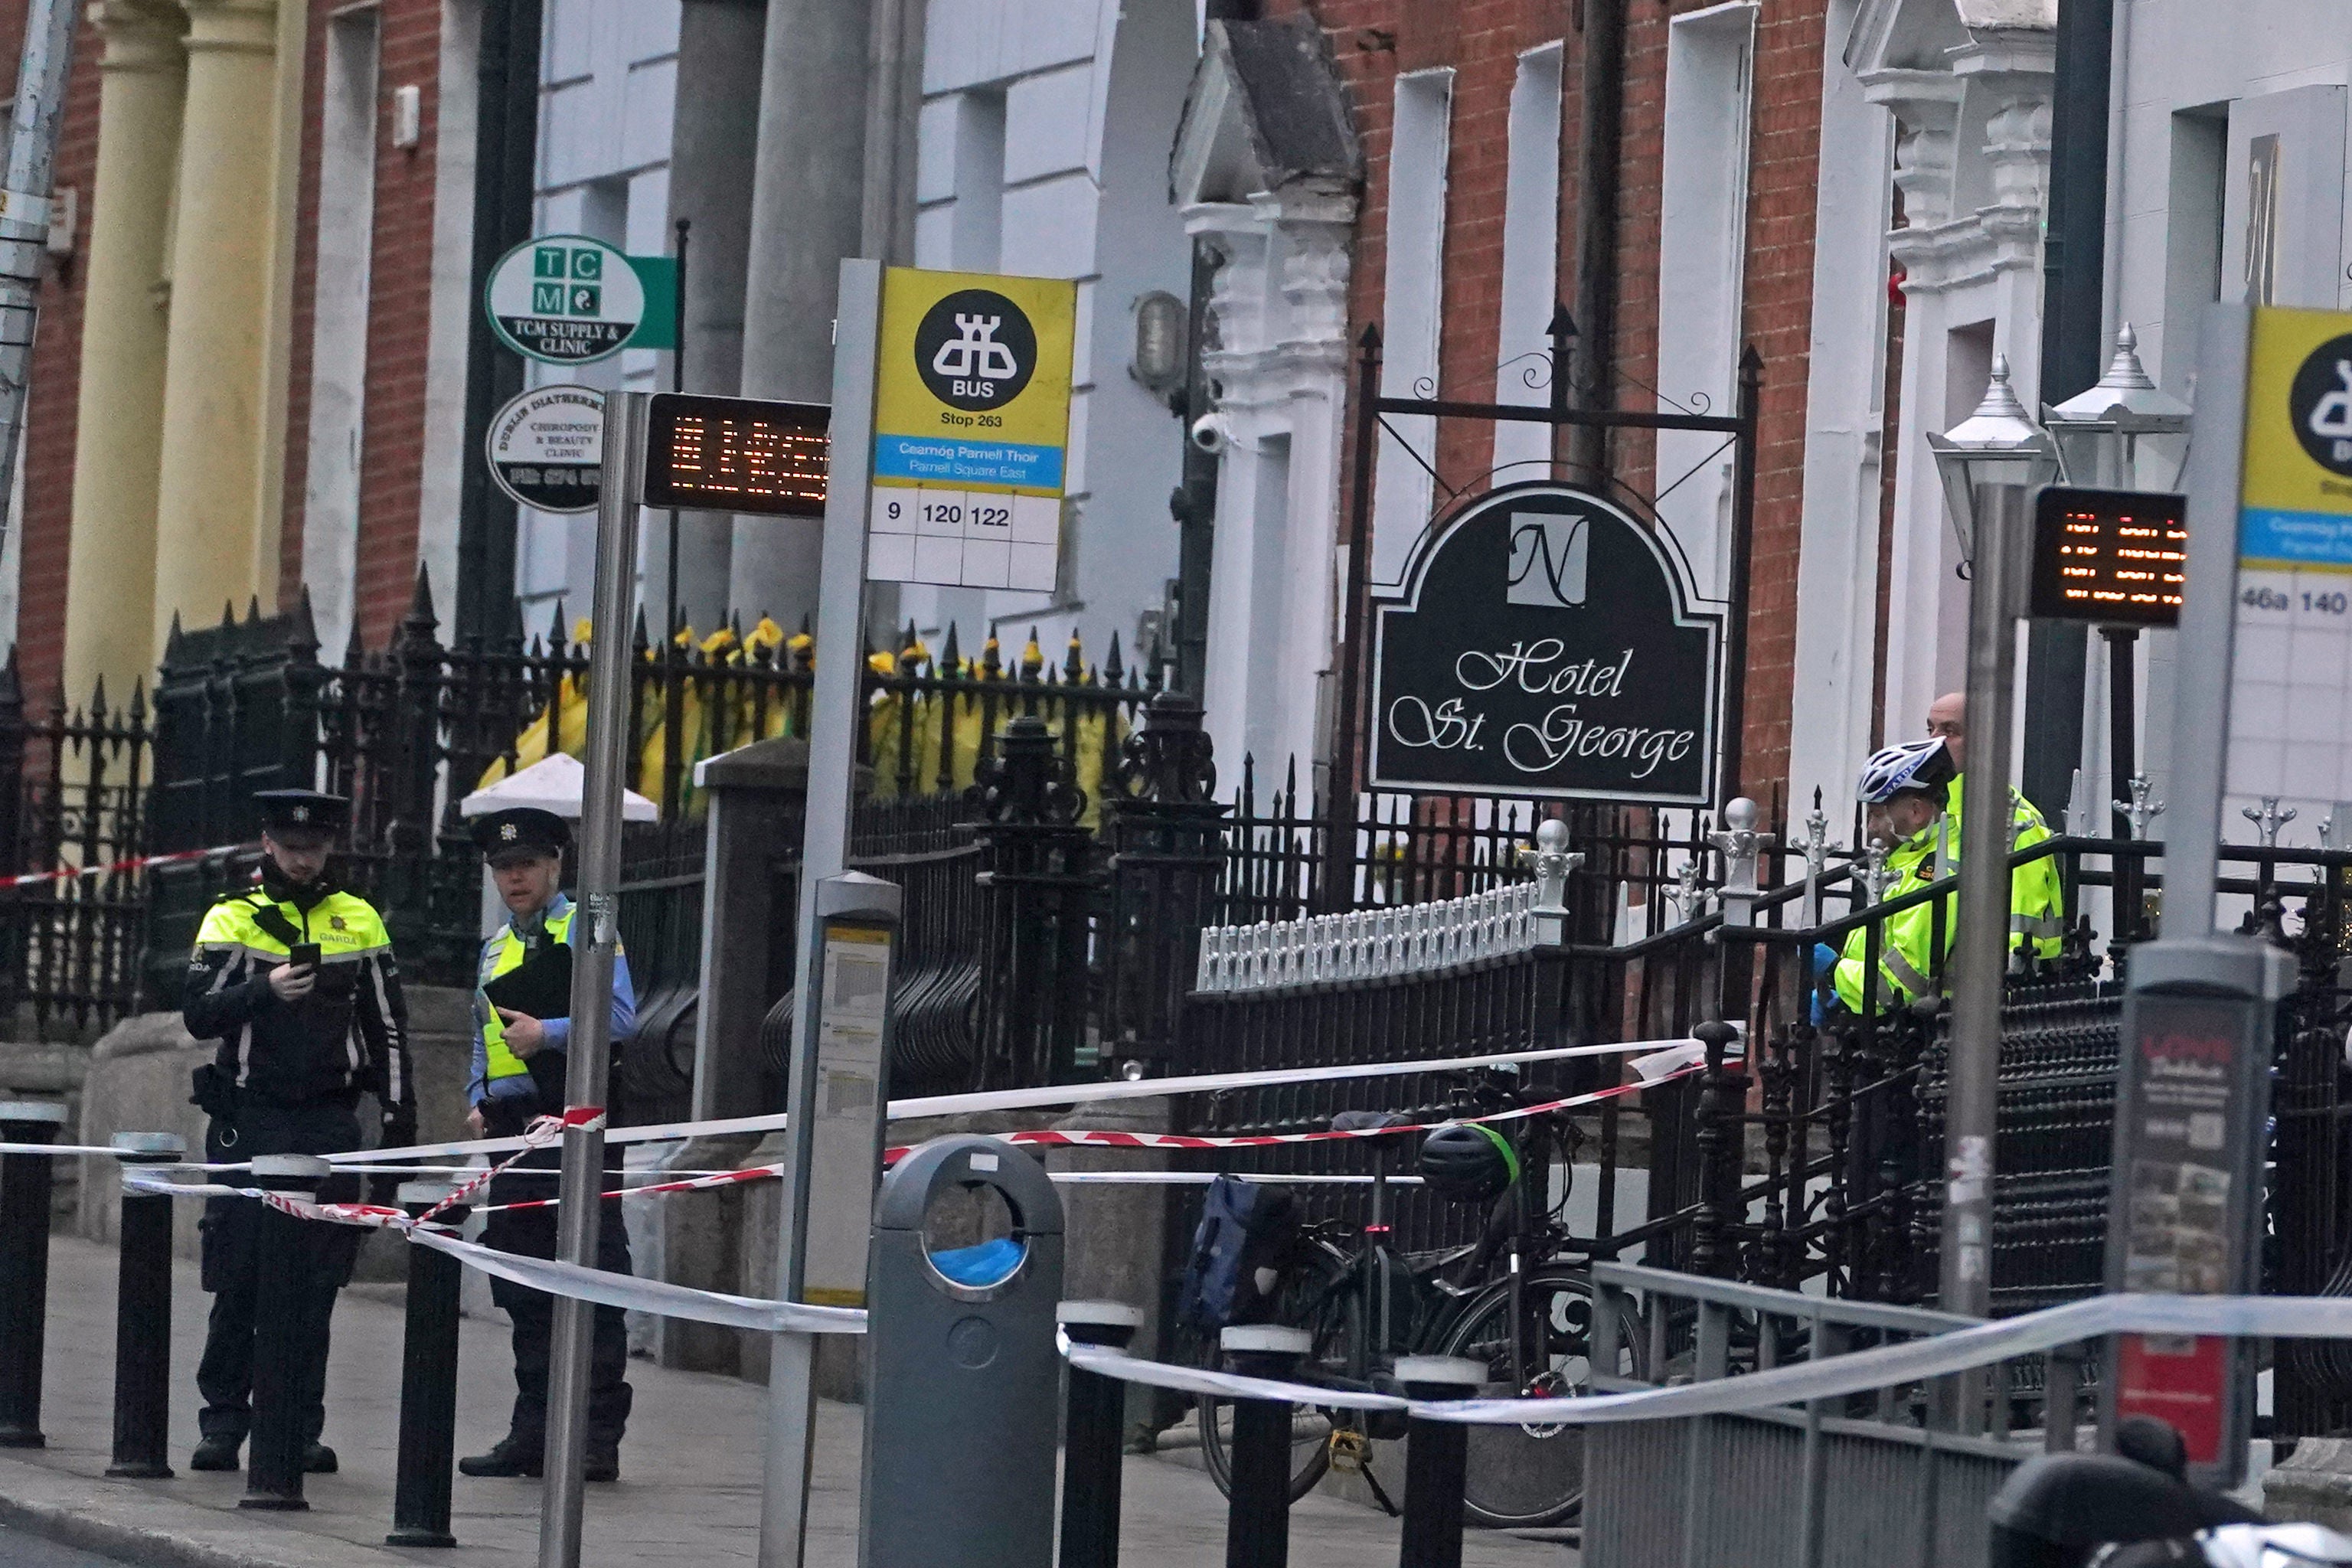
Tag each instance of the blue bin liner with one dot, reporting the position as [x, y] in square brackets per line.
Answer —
[990, 1263]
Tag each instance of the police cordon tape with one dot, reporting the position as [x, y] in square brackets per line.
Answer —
[113, 868]
[1915, 1361]
[1654, 1060]
[149, 1176]
[1887, 1367]
[554, 1275]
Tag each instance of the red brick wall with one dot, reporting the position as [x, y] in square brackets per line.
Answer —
[1481, 40]
[55, 374]
[399, 291]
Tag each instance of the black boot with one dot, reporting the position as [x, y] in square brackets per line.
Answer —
[602, 1463]
[509, 1457]
[318, 1459]
[215, 1453]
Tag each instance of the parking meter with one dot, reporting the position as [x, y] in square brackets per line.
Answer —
[2184, 1209]
[966, 1379]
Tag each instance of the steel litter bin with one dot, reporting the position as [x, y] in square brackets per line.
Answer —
[966, 1381]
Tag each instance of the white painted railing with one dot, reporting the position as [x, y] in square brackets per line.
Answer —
[1406, 939]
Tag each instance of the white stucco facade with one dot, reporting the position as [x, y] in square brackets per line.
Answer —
[2200, 90]
[1043, 151]
[608, 79]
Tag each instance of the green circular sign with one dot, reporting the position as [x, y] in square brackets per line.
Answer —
[564, 299]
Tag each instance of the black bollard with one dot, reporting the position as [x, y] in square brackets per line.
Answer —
[143, 1315]
[1092, 1438]
[1257, 1525]
[285, 1328]
[429, 1382]
[24, 1267]
[1436, 1458]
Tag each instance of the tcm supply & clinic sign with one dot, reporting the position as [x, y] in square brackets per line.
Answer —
[1547, 645]
[972, 421]
[565, 299]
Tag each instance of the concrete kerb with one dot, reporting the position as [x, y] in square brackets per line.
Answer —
[124, 1521]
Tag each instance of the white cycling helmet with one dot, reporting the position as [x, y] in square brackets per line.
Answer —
[1918, 764]
[2273, 1546]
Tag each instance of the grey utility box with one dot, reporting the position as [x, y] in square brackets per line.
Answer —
[966, 1380]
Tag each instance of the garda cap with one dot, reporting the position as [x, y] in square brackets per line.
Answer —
[285, 811]
[523, 832]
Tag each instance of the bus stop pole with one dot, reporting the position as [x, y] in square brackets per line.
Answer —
[834, 720]
[581, 1187]
[2208, 616]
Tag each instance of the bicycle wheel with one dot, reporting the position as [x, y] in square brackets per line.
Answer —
[1319, 1294]
[1524, 1476]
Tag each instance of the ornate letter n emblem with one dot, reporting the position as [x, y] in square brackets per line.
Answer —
[1548, 560]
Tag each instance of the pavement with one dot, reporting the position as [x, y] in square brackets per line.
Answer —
[689, 1490]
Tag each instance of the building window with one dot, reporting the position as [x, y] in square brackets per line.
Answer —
[977, 231]
[1702, 256]
[1530, 263]
[1413, 298]
[346, 245]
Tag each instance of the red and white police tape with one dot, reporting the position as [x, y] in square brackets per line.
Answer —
[1654, 1062]
[113, 868]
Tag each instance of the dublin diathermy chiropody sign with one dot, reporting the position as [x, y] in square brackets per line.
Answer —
[1548, 644]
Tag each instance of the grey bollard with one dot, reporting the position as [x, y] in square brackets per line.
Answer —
[142, 1314]
[24, 1267]
[285, 1331]
[1437, 1456]
[959, 1415]
[428, 1381]
[1093, 1427]
[1257, 1519]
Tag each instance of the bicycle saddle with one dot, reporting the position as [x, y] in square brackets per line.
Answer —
[1368, 1120]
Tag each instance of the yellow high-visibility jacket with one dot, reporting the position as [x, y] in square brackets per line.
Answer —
[1908, 943]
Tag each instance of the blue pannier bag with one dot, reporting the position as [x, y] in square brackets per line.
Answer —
[1246, 1232]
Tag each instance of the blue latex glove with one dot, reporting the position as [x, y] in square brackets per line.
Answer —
[1825, 960]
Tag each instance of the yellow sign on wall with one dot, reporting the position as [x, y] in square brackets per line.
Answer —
[972, 427]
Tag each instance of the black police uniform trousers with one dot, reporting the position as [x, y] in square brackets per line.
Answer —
[231, 1256]
[530, 1233]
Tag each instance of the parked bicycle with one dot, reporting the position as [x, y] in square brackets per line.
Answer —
[1509, 1301]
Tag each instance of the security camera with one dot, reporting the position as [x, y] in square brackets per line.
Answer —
[1209, 434]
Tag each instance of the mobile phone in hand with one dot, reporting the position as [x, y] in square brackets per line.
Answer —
[303, 955]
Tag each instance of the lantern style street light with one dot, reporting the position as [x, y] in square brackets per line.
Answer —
[2124, 434]
[1998, 445]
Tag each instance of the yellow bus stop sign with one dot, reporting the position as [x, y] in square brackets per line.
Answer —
[972, 422]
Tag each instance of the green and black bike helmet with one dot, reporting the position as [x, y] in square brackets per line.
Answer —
[1468, 1163]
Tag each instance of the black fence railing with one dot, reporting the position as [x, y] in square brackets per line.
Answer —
[73, 805]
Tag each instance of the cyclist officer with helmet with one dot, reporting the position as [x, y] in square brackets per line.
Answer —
[1907, 790]
[294, 977]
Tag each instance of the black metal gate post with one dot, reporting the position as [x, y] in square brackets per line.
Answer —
[1339, 790]
[1743, 556]
[429, 1382]
[1093, 1432]
[25, 1184]
[286, 1268]
[1041, 876]
[1437, 1457]
[1257, 1523]
[142, 1314]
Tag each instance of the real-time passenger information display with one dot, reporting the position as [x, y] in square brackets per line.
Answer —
[737, 454]
[2109, 557]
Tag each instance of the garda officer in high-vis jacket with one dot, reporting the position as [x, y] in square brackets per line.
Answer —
[294, 977]
[521, 1031]
[1909, 791]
